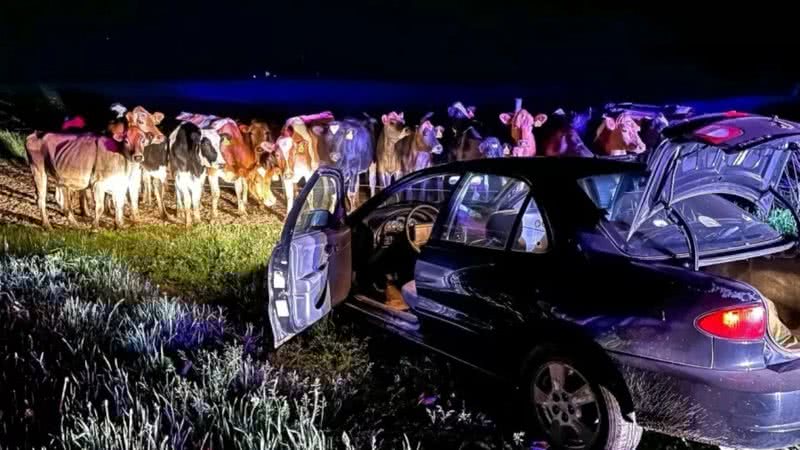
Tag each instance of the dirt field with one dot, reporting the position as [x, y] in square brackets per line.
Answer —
[18, 204]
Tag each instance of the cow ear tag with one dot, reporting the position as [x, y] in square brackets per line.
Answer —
[226, 140]
[349, 135]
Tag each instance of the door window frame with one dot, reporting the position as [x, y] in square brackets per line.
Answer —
[442, 219]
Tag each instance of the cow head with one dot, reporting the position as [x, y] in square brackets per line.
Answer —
[133, 139]
[211, 148]
[491, 148]
[256, 134]
[522, 124]
[146, 122]
[428, 136]
[271, 164]
[457, 111]
[620, 135]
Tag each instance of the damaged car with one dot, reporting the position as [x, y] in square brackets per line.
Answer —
[616, 296]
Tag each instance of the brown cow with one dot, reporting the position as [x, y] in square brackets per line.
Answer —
[82, 161]
[388, 165]
[617, 137]
[299, 148]
[522, 124]
[240, 164]
[271, 166]
[416, 149]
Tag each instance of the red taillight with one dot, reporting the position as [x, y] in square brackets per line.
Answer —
[717, 134]
[747, 323]
[735, 114]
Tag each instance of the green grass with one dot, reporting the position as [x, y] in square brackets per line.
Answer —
[13, 144]
[206, 262]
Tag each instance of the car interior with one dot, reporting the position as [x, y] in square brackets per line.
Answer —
[389, 240]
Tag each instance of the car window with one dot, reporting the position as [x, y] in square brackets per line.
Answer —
[531, 235]
[323, 197]
[434, 190]
[485, 210]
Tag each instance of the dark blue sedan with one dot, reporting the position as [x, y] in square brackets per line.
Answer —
[593, 285]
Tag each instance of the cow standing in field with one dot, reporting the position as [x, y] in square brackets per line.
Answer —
[619, 137]
[299, 148]
[191, 152]
[349, 146]
[153, 167]
[82, 161]
[522, 124]
[388, 163]
[270, 164]
[241, 164]
[415, 149]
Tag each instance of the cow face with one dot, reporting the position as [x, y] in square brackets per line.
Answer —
[620, 134]
[146, 122]
[135, 140]
[522, 124]
[270, 166]
[491, 148]
[427, 136]
[257, 133]
[210, 153]
[457, 111]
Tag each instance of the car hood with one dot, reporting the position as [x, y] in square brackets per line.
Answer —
[742, 166]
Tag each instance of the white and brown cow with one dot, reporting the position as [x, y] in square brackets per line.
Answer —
[76, 162]
[619, 136]
[299, 148]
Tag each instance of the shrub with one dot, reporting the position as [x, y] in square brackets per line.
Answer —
[13, 144]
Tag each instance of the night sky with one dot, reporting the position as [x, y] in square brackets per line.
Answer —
[647, 44]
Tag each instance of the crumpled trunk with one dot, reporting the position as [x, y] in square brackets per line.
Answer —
[778, 280]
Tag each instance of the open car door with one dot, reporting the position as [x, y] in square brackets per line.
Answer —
[310, 271]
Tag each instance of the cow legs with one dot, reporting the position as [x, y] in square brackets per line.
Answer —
[99, 200]
[197, 191]
[40, 181]
[119, 207]
[373, 178]
[135, 184]
[352, 192]
[213, 181]
[148, 188]
[241, 195]
[85, 202]
[160, 197]
[288, 189]
[66, 206]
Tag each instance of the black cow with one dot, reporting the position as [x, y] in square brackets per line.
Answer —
[349, 145]
[191, 152]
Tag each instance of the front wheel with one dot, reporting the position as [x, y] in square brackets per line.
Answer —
[573, 409]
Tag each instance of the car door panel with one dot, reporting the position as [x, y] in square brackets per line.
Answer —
[310, 268]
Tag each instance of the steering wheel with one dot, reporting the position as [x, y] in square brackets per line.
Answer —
[409, 221]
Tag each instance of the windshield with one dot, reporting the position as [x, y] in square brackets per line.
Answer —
[718, 224]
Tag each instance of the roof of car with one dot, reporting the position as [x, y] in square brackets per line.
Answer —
[748, 129]
[541, 166]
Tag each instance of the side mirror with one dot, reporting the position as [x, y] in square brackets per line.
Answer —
[319, 218]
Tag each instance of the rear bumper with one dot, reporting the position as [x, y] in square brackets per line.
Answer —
[758, 409]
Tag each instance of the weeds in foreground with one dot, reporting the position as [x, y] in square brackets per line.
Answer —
[13, 144]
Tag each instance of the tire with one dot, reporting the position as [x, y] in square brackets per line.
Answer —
[570, 404]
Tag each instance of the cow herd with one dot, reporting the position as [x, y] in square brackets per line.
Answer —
[133, 152]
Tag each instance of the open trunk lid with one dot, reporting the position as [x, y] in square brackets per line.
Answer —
[743, 156]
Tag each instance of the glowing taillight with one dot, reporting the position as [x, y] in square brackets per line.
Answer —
[747, 323]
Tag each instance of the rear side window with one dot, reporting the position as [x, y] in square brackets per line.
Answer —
[485, 212]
